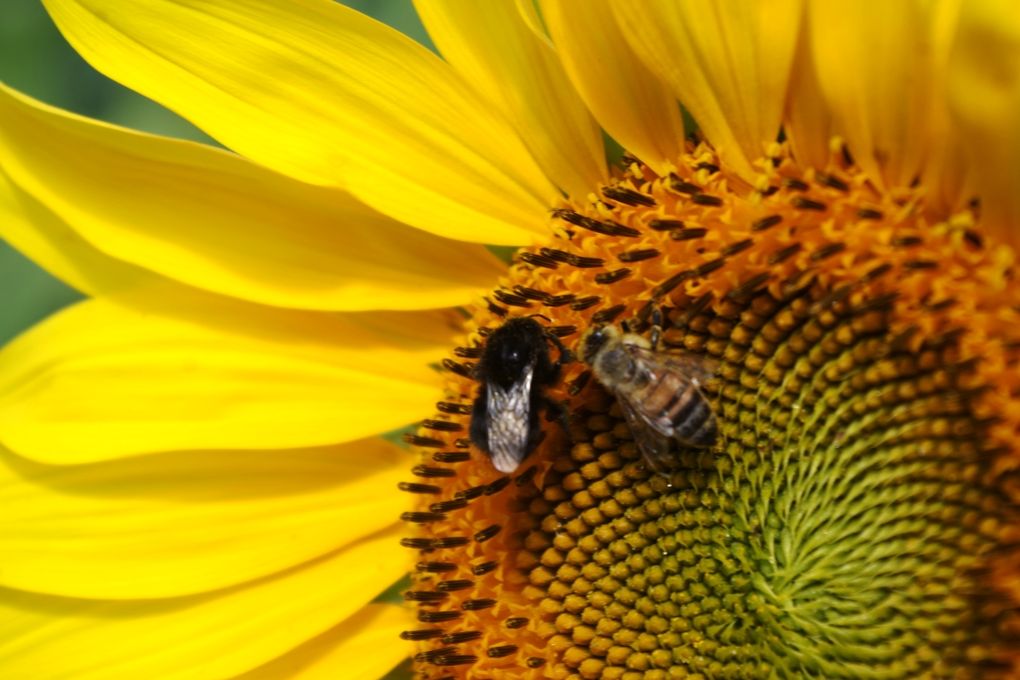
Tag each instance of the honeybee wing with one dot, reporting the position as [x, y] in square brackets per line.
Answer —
[652, 444]
[681, 369]
[507, 421]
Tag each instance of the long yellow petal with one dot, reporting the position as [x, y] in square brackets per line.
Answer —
[101, 380]
[728, 63]
[174, 524]
[362, 648]
[494, 49]
[808, 121]
[984, 88]
[207, 636]
[635, 108]
[317, 91]
[216, 221]
[876, 67]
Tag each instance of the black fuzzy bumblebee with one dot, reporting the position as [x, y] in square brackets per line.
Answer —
[514, 372]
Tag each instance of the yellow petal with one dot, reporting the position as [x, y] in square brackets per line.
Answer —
[728, 63]
[876, 66]
[635, 108]
[206, 636]
[490, 44]
[317, 91]
[808, 121]
[101, 379]
[362, 648]
[174, 524]
[984, 87]
[216, 221]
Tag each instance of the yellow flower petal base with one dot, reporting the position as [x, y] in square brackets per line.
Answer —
[857, 517]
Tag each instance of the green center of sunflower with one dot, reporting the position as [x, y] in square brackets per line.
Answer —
[850, 520]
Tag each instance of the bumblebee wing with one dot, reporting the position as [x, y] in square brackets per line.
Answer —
[652, 443]
[508, 414]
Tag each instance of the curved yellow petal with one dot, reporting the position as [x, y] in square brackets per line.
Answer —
[181, 523]
[102, 379]
[490, 44]
[727, 62]
[876, 65]
[635, 108]
[216, 221]
[807, 121]
[364, 647]
[984, 89]
[206, 636]
[317, 91]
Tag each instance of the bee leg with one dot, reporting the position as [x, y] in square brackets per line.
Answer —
[557, 411]
[565, 355]
[479, 430]
[656, 328]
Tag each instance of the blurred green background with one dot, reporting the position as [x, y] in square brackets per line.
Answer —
[35, 59]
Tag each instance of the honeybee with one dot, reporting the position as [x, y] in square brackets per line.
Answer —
[514, 370]
[659, 392]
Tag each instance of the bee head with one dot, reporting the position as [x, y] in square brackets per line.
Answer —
[513, 349]
[594, 339]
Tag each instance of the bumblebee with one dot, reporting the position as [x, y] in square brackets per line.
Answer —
[659, 392]
[515, 370]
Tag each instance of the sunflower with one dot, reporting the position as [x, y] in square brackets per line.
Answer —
[194, 480]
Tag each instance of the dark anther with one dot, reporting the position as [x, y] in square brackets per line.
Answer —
[609, 314]
[430, 471]
[828, 250]
[424, 442]
[485, 534]
[638, 255]
[456, 660]
[878, 271]
[441, 425]
[485, 332]
[628, 196]
[577, 384]
[869, 214]
[906, 241]
[433, 654]
[483, 568]
[710, 266]
[451, 456]
[462, 443]
[882, 303]
[414, 487]
[748, 287]
[516, 622]
[921, 264]
[672, 282]
[417, 543]
[470, 493]
[450, 541]
[421, 517]
[688, 234]
[526, 476]
[769, 190]
[462, 636]
[436, 567]
[607, 228]
[942, 305]
[424, 596]
[539, 260]
[560, 300]
[712, 168]
[585, 303]
[801, 203]
[943, 340]
[535, 662]
[447, 506]
[706, 199]
[766, 222]
[794, 184]
[561, 331]
[586, 262]
[454, 584]
[421, 634]
[695, 308]
[784, 253]
[465, 370]
[511, 299]
[469, 352]
[832, 181]
[501, 651]
[737, 247]
[497, 486]
[838, 295]
[665, 225]
[494, 308]
[683, 186]
[556, 254]
[606, 278]
[531, 293]
[479, 603]
[973, 238]
[452, 408]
